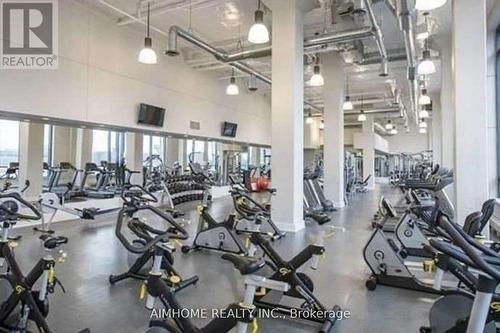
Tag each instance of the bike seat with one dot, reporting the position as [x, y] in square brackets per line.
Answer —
[244, 264]
[52, 242]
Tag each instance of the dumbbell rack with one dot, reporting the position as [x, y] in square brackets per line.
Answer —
[185, 188]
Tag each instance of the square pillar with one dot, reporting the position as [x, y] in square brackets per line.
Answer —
[369, 152]
[469, 101]
[333, 96]
[133, 158]
[31, 137]
[287, 113]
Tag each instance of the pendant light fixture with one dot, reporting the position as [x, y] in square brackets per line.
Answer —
[423, 113]
[347, 102]
[232, 89]
[309, 119]
[388, 126]
[424, 99]
[362, 116]
[258, 33]
[422, 124]
[426, 65]
[422, 130]
[322, 125]
[424, 5]
[393, 131]
[317, 79]
[148, 55]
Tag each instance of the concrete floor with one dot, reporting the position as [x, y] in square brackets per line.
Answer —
[94, 253]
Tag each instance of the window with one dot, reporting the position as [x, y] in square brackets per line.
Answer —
[9, 143]
[48, 144]
[107, 146]
[153, 145]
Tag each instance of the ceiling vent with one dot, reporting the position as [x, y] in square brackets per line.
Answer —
[194, 125]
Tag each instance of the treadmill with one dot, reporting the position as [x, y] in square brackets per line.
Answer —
[98, 191]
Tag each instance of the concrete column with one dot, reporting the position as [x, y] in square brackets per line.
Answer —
[62, 144]
[436, 132]
[491, 79]
[333, 96]
[172, 151]
[205, 151]
[287, 112]
[133, 158]
[83, 151]
[469, 100]
[369, 152]
[31, 158]
[447, 110]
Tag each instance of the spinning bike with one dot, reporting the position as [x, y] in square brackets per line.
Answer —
[26, 305]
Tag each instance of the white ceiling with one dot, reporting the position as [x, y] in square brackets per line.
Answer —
[224, 22]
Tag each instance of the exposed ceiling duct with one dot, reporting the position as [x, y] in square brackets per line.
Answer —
[374, 111]
[379, 39]
[234, 59]
[406, 26]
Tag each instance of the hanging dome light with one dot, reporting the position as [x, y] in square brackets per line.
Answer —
[393, 131]
[148, 55]
[317, 79]
[232, 89]
[424, 99]
[422, 130]
[388, 126]
[423, 114]
[348, 104]
[426, 65]
[425, 5]
[258, 33]
[422, 124]
[309, 119]
[322, 125]
[362, 116]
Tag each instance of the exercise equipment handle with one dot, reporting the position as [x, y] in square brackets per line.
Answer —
[129, 245]
[470, 250]
[128, 194]
[17, 197]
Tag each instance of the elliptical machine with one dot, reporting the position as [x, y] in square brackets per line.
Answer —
[136, 199]
[25, 304]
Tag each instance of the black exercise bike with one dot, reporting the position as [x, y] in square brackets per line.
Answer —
[25, 305]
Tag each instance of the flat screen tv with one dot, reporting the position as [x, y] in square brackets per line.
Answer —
[151, 115]
[229, 129]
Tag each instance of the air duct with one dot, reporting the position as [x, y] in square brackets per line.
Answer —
[374, 111]
[234, 59]
[379, 39]
[406, 26]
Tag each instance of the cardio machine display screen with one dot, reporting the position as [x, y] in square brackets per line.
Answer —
[151, 115]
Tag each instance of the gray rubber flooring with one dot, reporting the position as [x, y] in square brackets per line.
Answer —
[94, 253]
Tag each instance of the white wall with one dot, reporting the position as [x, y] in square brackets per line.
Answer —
[412, 142]
[100, 80]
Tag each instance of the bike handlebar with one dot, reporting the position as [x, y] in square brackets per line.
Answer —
[17, 197]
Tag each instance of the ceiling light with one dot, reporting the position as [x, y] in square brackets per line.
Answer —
[252, 83]
[45, 118]
[309, 119]
[258, 33]
[322, 125]
[148, 55]
[424, 99]
[232, 89]
[388, 126]
[422, 124]
[428, 4]
[362, 116]
[317, 79]
[426, 65]
[394, 131]
[422, 131]
[423, 114]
